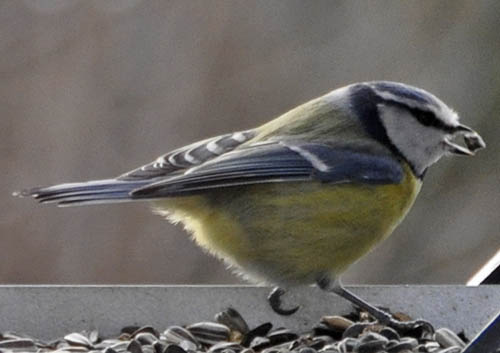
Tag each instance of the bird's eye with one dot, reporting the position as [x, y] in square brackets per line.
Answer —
[426, 118]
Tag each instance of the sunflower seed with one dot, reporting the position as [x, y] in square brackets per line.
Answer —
[177, 334]
[159, 346]
[24, 343]
[94, 336]
[337, 323]
[209, 332]
[261, 330]
[431, 346]
[188, 346]
[145, 338]
[78, 339]
[371, 342]
[281, 336]
[134, 347]
[145, 329]
[8, 335]
[389, 333]
[324, 330]
[221, 346]
[320, 341]
[232, 319]
[398, 347]
[447, 338]
[259, 343]
[355, 330]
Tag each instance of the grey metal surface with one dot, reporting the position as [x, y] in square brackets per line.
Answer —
[51, 311]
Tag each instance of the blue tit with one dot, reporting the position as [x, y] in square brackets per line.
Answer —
[299, 199]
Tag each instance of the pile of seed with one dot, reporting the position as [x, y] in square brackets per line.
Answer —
[229, 333]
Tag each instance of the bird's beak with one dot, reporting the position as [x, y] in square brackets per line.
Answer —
[472, 140]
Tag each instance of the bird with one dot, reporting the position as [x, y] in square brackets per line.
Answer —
[300, 198]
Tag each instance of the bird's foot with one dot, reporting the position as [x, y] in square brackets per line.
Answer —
[274, 300]
[380, 315]
[403, 326]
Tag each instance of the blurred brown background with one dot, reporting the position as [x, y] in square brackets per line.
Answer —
[90, 89]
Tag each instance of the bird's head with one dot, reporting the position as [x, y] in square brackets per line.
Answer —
[412, 122]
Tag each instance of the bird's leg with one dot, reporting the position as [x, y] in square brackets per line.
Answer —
[274, 300]
[380, 315]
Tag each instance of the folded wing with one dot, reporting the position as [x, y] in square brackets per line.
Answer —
[278, 162]
[223, 164]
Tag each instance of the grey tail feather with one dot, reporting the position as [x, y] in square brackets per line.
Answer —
[86, 193]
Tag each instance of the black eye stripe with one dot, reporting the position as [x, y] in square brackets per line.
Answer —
[424, 117]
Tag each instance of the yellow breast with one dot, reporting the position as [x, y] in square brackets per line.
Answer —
[290, 233]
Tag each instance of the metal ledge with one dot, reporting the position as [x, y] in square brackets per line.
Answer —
[48, 312]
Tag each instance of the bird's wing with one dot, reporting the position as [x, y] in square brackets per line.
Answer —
[278, 162]
[223, 162]
[189, 156]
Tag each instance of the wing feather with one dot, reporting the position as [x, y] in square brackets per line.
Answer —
[278, 162]
[189, 156]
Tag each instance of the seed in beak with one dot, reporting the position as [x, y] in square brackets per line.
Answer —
[474, 142]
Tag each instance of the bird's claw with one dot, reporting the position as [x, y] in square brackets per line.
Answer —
[405, 326]
[274, 300]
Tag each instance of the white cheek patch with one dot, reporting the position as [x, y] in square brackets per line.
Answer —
[420, 145]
